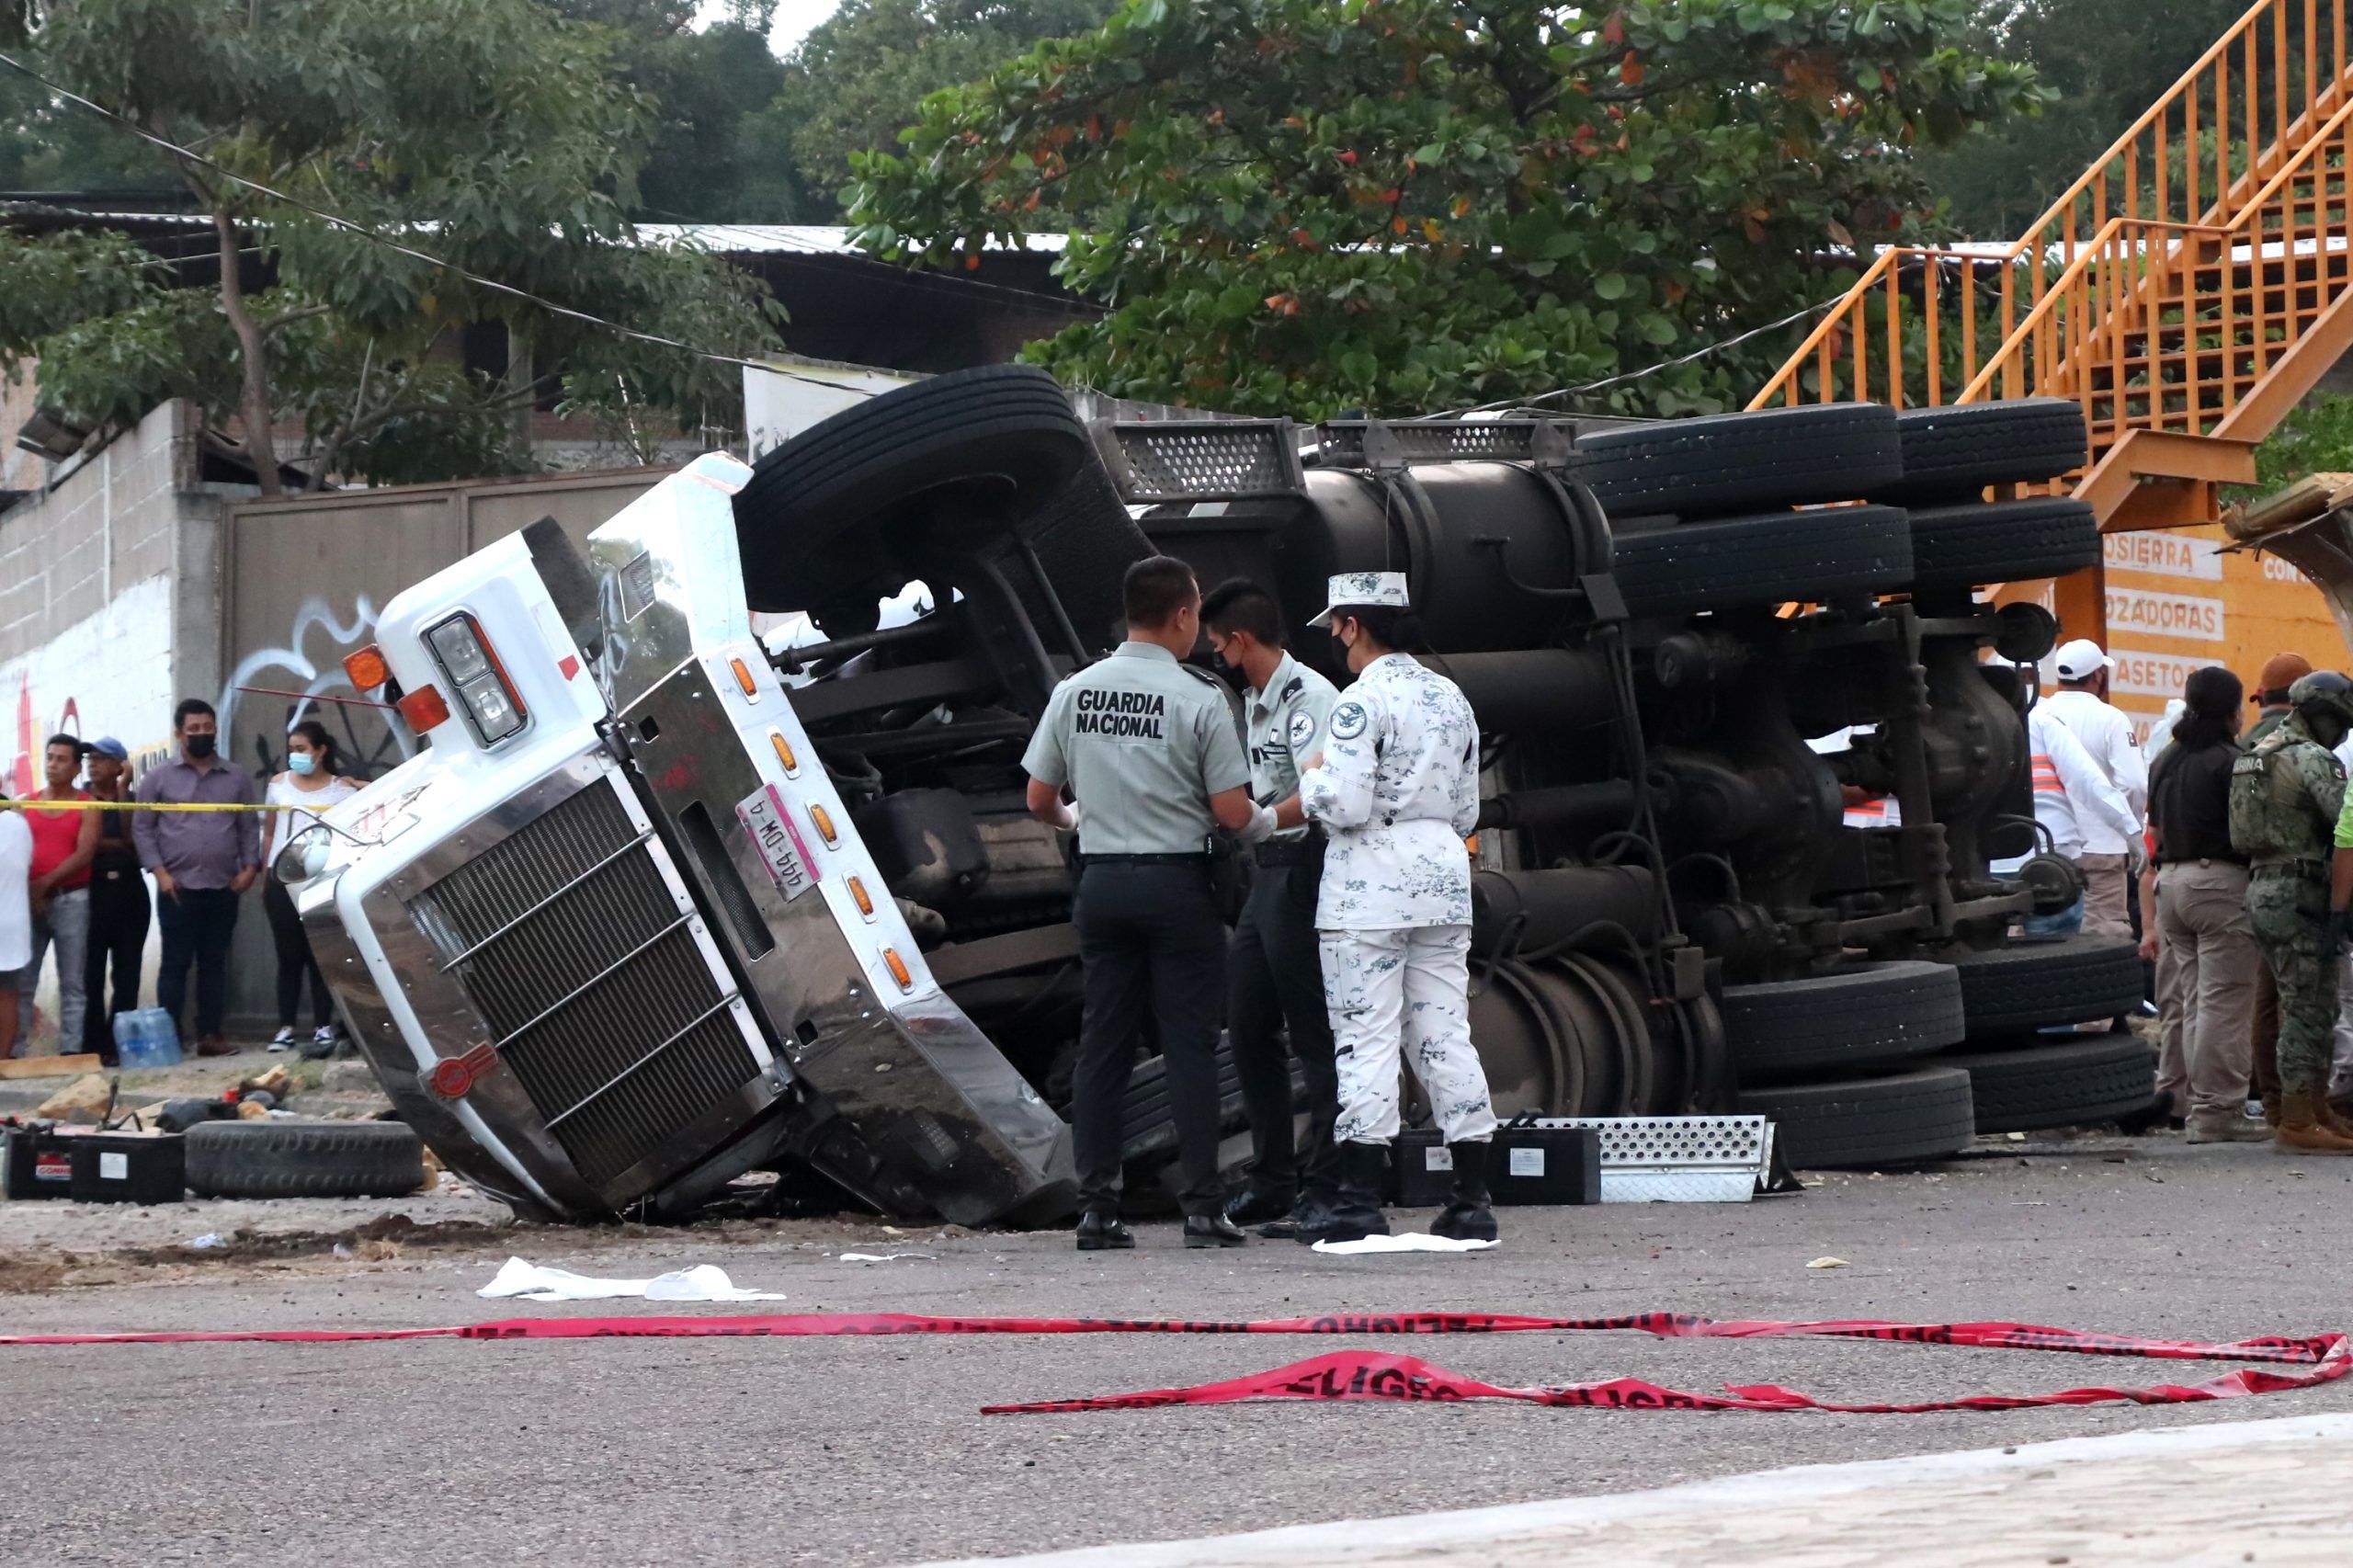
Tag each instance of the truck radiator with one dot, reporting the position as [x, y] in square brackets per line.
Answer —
[567, 940]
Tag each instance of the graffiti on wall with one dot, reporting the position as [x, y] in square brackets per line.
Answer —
[309, 663]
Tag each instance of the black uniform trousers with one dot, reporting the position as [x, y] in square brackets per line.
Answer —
[119, 912]
[1149, 939]
[1274, 976]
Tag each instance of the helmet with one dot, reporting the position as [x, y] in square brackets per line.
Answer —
[2324, 696]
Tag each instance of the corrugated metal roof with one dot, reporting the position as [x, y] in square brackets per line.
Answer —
[803, 239]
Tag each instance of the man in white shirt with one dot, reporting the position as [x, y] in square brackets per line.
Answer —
[2071, 799]
[2081, 704]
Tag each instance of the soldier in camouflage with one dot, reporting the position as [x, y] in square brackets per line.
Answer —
[2286, 796]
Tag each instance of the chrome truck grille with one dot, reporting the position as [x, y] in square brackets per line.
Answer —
[567, 940]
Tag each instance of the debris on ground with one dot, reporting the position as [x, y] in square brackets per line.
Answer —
[82, 1102]
[1827, 1263]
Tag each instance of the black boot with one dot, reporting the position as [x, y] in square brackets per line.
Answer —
[1356, 1212]
[1257, 1205]
[1312, 1212]
[1101, 1232]
[1468, 1218]
[1212, 1231]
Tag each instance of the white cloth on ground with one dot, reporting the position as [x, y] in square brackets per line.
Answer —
[535, 1282]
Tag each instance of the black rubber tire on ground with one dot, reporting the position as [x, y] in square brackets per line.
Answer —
[1920, 1115]
[814, 520]
[2038, 983]
[1867, 1016]
[1743, 563]
[305, 1159]
[1954, 453]
[2002, 541]
[1730, 463]
[2059, 1082]
[1085, 542]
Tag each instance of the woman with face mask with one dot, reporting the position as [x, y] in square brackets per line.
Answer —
[1396, 788]
[311, 783]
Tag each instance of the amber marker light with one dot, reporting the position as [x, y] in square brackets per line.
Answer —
[784, 753]
[898, 968]
[424, 708]
[865, 903]
[366, 668]
[744, 678]
[824, 820]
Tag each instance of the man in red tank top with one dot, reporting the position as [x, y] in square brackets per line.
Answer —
[64, 843]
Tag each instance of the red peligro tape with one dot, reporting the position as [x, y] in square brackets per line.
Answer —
[1354, 1375]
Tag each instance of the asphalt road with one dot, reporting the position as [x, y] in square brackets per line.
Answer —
[722, 1451]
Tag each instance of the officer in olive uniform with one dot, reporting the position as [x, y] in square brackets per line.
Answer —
[1274, 977]
[1147, 746]
[2287, 795]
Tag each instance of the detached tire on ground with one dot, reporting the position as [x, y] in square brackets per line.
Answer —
[1954, 453]
[2002, 541]
[1743, 462]
[2070, 1082]
[2037, 983]
[1922, 1115]
[1868, 1016]
[1743, 563]
[305, 1159]
[814, 522]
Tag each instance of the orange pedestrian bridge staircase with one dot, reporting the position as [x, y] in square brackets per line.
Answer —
[2186, 291]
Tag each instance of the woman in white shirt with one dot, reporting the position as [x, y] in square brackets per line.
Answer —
[311, 783]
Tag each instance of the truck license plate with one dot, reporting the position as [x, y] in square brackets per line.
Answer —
[764, 816]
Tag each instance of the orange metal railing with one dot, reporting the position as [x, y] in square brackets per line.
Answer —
[2160, 288]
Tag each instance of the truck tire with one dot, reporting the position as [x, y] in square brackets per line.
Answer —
[1742, 562]
[2040, 982]
[1151, 1128]
[305, 1159]
[1954, 453]
[2002, 541]
[1085, 542]
[1868, 1016]
[2072, 1082]
[1730, 463]
[814, 520]
[1920, 1115]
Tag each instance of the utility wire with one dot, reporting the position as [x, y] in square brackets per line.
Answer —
[1791, 319]
[338, 221]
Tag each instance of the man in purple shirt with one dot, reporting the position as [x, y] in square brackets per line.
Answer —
[203, 861]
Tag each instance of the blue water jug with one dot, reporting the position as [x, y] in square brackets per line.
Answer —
[145, 1036]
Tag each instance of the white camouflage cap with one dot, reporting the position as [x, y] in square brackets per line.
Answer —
[1382, 588]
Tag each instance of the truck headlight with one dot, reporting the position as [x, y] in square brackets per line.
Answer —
[473, 669]
[305, 855]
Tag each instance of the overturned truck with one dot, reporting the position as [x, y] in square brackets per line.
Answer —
[657, 907]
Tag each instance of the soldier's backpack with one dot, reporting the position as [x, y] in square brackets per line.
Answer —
[2264, 801]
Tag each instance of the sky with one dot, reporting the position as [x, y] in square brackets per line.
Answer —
[793, 19]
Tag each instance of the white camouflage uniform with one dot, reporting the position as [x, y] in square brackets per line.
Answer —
[1397, 792]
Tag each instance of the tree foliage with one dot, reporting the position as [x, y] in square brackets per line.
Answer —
[858, 77]
[1299, 206]
[489, 133]
[2103, 62]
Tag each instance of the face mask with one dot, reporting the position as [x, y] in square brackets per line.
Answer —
[302, 762]
[199, 746]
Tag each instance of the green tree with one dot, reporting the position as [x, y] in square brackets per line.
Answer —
[2104, 62]
[490, 133]
[858, 77]
[1299, 206]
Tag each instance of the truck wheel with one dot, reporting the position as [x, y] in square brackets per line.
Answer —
[2040, 983]
[1742, 462]
[1867, 1016]
[1921, 1115]
[814, 520]
[1085, 542]
[305, 1159]
[1743, 563]
[2003, 541]
[1151, 1128]
[2059, 1084]
[1952, 454]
